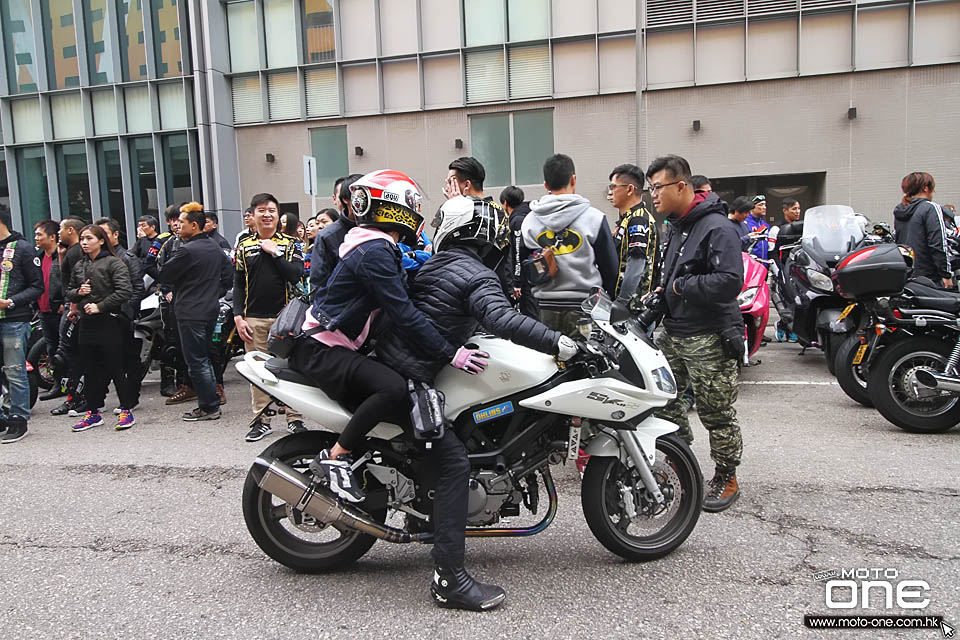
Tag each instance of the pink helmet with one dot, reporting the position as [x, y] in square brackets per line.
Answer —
[388, 200]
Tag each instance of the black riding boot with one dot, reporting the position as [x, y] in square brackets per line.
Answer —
[168, 381]
[454, 588]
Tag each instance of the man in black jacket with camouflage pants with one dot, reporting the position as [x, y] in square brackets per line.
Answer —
[703, 329]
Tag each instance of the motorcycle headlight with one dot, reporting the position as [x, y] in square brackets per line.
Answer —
[819, 280]
[747, 296]
[664, 380]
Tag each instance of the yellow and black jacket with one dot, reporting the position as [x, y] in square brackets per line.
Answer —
[263, 284]
[638, 249]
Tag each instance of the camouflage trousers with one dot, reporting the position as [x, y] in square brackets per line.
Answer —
[715, 377]
[563, 321]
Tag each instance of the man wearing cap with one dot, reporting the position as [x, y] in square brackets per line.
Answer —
[758, 226]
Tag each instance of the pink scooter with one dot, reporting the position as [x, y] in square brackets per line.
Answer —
[754, 300]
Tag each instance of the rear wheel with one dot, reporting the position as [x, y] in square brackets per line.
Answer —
[852, 377]
[655, 529]
[40, 359]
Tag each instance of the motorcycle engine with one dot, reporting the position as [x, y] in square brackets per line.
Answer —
[489, 492]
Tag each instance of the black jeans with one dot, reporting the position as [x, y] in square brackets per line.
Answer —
[101, 361]
[131, 362]
[196, 339]
[50, 324]
[172, 364]
[451, 494]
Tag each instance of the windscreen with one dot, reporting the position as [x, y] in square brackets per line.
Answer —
[831, 229]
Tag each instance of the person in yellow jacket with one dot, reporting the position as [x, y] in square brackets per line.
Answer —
[635, 237]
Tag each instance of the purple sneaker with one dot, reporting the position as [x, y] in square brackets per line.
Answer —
[91, 420]
[124, 419]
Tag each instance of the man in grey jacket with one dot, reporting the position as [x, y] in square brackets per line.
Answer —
[580, 240]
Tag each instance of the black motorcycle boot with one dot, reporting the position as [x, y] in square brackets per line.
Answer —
[168, 381]
[454, 588]
[722, 491]
[55, 392]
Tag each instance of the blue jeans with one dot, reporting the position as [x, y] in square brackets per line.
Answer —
[14, 336]
[196, 338]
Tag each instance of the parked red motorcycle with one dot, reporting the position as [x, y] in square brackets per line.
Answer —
[754, 300]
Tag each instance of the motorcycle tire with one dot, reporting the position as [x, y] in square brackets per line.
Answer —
[37, 356]
[852, 378]
[294, 544]
[889, 382]
[680, 479]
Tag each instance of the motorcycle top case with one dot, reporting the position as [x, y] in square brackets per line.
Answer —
[875, 271]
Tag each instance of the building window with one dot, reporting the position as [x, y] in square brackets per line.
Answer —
[173, 106]
[27, 120]
[247, 103]
[137, 104]
[60, 40]
[176, 168]
[486, 76]
[111, 183]
[483, 20]
[318, 31]
[66, 111]
[73, 181]
[528, 20]
[105, 121]
[100, 49]
[143, 176]
[166, 38]
[242, 31]
[329, 147]
[323, 98]
[279, 21]
[32, 175]
[512, 146]
[133, 53]
[19, 46]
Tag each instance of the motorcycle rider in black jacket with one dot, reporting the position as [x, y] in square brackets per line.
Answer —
[459, 291]
[918, 223]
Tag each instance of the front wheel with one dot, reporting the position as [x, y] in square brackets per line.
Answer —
[655, 529]
[40, 359]
[852, 378]
[900, 398]
[289, 536]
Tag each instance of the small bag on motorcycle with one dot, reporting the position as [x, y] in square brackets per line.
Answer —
[287, 327]
[875, 271]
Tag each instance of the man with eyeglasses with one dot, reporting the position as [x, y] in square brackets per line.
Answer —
[636, 240]
[703, 331]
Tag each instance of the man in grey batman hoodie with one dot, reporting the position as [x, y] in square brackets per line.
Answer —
[582, 246]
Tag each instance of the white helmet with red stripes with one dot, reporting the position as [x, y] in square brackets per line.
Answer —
[388, 200]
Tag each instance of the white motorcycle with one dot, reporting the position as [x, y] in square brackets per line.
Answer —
[642, 490]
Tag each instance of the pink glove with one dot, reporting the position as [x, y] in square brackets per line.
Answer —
[473, 361]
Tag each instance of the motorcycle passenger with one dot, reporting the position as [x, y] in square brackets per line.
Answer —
[459, 291]
[918, 223]
[369, 281]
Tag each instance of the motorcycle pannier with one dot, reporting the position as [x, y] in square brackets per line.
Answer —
[875, 271]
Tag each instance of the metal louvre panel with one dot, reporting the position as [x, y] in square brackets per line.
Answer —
[485, 75]
[720, 9]
[246, 100]
[283, 96]
[760, 7]
[529, 71]
[661, 13]
[824, 4]
[322, 96]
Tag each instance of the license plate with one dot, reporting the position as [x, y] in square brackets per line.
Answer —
[846, 312]
[861, 351]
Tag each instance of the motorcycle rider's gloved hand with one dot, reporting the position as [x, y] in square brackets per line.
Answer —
[566, 348]
[473, 361]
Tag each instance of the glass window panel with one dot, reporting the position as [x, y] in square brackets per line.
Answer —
[329, 147]
[67, 112]
[485, 75]
[99, 46]
[60, 39]
[283, 96]
[173, 107]
[32, 176]
[27, 120]
[4, 186]
[247, 105]
[532, 144]
[133, 52]
[484, 21]
[529, 19]
[323, 99]
[111, 183]
[73, 181]
[139, 119]
[166, 38]
[279, 21]
[318, 31]
[143, 176]
[529, 71]
[242, 28]
[490, 144]
[19, 45]
[105, 121]
[176, 168]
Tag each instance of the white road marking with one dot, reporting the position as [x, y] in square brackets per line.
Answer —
[791, 382]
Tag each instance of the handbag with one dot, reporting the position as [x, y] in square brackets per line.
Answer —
[288, 327]
[426, 414]
[541, 267]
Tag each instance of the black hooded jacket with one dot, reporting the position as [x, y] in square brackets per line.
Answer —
[919, 225]
[702, 262]
[458, 294]
[326, 251]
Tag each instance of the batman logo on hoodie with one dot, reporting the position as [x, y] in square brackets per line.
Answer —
[566, 241]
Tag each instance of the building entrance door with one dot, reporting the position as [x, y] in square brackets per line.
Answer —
[807, 188]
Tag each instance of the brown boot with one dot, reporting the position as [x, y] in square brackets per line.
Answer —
[183, 394]
[722, 492]
[221, 394]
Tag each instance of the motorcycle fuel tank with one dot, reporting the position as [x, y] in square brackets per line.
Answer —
[512, 369]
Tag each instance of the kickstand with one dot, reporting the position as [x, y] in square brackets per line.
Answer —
[803, 351]
[260, 413]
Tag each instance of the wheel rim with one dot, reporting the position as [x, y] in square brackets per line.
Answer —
[654, 524]
[909, 394]
[44, 371]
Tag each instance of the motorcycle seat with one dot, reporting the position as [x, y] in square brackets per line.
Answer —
[923, 296]
[281, 368]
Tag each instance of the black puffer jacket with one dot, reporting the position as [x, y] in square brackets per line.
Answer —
[458, 294]
[109, 280]
[919, 225]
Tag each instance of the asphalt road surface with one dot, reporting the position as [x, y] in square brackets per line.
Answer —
[140, 534]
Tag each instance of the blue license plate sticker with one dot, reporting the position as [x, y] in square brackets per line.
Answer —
[492, 413]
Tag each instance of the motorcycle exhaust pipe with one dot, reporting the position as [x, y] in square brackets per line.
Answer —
[298, 490]
[934, 380]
